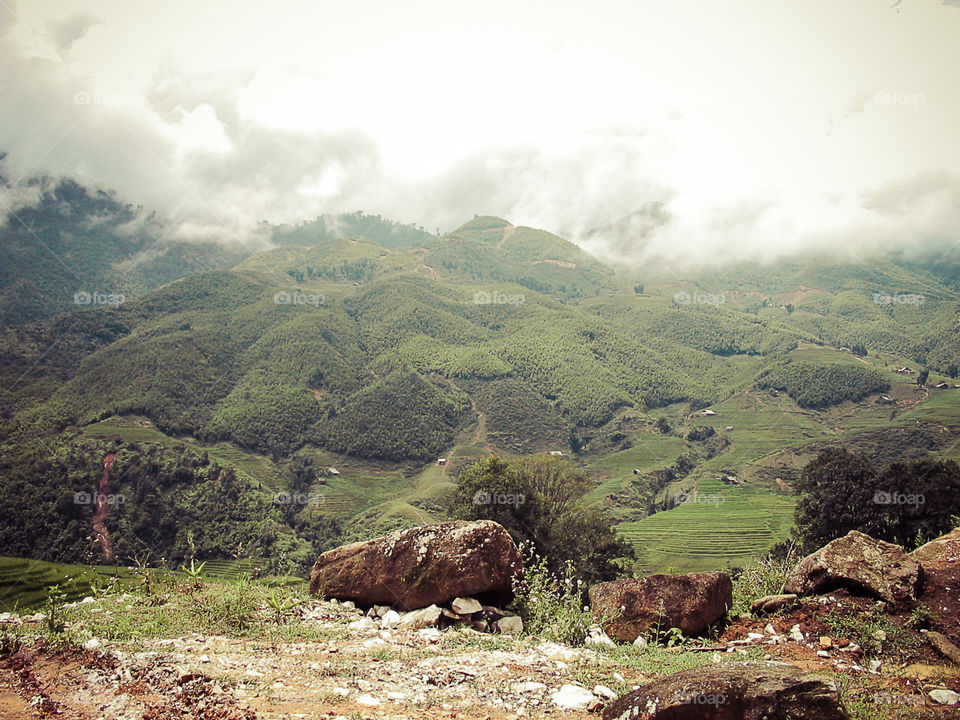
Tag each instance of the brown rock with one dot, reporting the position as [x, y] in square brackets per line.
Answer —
[861, 564]
[940, 560]
[940, 554]
[511, 625]
[772, 603]
[691, 602]
[732, 691]
[421, 566]
[942, 645]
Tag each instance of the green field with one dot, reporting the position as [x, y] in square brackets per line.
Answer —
[722, 526]
[24, 583]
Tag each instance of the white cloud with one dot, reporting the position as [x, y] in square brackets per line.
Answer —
[67, 30]
[567, 119]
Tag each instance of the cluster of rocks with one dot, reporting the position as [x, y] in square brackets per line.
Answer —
[453, 573]
[462, 611]
[422, 566]
[457, 573]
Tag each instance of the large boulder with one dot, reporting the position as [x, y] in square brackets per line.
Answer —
[732, 691]
[940, 560]
[422, 566]
[629, 608]
[861, 564]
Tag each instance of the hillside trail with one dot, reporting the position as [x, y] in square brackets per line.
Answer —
[100, 531]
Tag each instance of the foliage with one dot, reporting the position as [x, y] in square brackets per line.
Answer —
[176, 505]
[841, 491]
[374, 424]
[112, 246]
[873, 631]
[538, 499]
[550, 605]
[764, 577]
[815, 385]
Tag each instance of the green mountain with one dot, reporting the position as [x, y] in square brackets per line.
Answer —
[378, 356]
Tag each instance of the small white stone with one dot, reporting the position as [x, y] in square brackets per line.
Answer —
[552, 651]
[367, 700]
[91, 644]
[944, 697]
[390, 620]
[431, 634]
[363, 623]
[571, 697]
[604, 692]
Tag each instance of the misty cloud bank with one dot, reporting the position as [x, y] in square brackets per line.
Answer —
[190, 151]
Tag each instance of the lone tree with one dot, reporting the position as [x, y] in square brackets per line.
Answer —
[922, 377]
[539, 499]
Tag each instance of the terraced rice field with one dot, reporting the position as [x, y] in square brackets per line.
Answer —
[720, 526]
[24, 583]
[651, 452]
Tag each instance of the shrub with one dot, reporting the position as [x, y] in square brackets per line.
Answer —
[550, 607]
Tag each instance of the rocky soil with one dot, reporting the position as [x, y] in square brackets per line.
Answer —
[335, 665]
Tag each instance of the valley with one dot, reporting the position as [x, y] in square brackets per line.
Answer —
[404, 354]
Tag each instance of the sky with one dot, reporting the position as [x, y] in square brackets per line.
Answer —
[720, 130]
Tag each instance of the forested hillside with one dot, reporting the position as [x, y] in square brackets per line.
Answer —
[377, 348]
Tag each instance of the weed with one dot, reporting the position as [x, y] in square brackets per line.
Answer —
[921, 617]
[873, 631]
[550, 607]
[766, 577]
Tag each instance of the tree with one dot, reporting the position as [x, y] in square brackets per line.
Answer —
[841, 491]
[922, 377]
[638, 289]
[539, 500]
